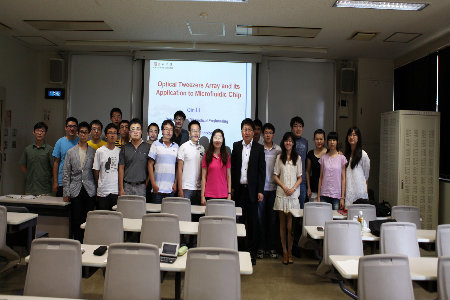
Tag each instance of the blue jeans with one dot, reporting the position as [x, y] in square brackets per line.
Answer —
[267, 222]
[302, 196]
[333, 201]
[157, 198]
[193, 195]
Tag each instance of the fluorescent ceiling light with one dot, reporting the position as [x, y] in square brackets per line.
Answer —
[380, 5]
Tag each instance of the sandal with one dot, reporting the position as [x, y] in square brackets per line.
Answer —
[285, 258]
[291, 258]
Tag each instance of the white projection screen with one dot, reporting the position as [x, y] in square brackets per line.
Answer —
[217, 94]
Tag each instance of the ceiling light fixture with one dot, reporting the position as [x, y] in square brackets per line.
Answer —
[380, 5]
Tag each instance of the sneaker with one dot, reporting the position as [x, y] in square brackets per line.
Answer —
[273, 254]
[260, 254]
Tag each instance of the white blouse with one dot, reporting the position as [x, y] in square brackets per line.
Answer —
[355, 180]
[288, 174]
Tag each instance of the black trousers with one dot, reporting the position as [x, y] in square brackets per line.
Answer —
[250, 216]
[81, 204]
[106, 203]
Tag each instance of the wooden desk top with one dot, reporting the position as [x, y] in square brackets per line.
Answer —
[421, 268]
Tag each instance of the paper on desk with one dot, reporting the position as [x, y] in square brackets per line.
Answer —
[349, 266]
[20, 196]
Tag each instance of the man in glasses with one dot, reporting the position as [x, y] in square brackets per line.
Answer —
[96, 134]
[161, 165]
[180, 135]
[133, 163]
[59, 153]
[115, 115]
[78, 180]
[189, 165]
[37, 163]
[124, 133]
[106, 164]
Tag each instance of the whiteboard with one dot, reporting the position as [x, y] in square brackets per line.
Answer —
[298, 88]
[99, 83]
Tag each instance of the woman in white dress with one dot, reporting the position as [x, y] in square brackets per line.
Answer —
[358, 167]
[288, 176]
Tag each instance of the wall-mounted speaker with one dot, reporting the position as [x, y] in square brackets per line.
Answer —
[56, 70]
[347, 81]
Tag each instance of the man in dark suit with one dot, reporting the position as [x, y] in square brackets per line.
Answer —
[248, 174]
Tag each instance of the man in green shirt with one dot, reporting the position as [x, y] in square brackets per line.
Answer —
[37, 163]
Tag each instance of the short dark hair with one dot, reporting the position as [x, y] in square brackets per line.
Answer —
[40, 125]
[194, 122]
[179, 114]
[109, 126]
[115, 109]
[249, 122]
[268, 126]
[333, 135]
[124, 121]
[71, 119]
[96, 122]
[84, 125]
[297, 119]
[152, 124]
[135, 121]
[258, 123]
[165, 122]
[319, 131]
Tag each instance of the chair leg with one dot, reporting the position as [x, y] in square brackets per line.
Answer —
[347, 291]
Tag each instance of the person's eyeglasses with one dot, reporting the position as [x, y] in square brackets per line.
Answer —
[112, 132]
[83, 132]
[40, 131]
[268, 132]
[123, 127]
[116, 116]
[72, 126]
[96, 129]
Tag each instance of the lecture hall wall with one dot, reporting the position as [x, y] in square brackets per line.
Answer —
[27, 77]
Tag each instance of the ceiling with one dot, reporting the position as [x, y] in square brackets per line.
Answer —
[162, 25]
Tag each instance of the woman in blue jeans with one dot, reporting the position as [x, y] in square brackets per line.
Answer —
[332, 174]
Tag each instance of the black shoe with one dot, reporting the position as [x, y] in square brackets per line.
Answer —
[253, 258]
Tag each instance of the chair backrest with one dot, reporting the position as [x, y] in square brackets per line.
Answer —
[212, 273]
[132, 272]
[220, 207]
[3, 226]
[315, 214]
[132, 197]
[217, 232]
[131, 208]
[54, 268]
[159, 228]
[443, 283]
[103, 227]
[399, 238]
[443, 240]
[342, 237]
[407, 214]
[177, 206]
[369, 212]
[384, 276]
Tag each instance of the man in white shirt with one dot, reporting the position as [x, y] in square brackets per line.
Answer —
[106, 162]
[189, 166]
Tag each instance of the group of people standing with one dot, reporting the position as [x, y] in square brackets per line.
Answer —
[265, 179]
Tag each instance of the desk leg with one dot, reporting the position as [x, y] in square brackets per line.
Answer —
[177, 285]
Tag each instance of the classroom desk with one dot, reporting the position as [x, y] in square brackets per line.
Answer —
[298, 213]
[195, 209]
[41, 205]
[421, 268]
[88, 259]
[19, 297]
[423, 235]
[20, 221]
[134, 225]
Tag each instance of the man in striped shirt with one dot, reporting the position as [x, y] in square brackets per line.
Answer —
[124, 132]
[162, 164]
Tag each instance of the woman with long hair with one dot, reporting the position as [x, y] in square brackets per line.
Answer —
[313, 165]
[358, 167]
[332, 174]
[216, 169]
[288, 176]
